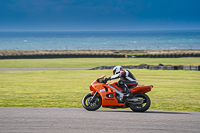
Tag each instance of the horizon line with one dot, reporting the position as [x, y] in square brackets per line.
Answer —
[101, 30]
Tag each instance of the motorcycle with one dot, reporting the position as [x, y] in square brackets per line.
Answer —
[112, 96]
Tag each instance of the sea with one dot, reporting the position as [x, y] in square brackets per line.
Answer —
[100, 40]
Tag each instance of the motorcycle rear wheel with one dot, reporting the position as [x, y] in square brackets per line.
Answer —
[91, 106]
[141, 107]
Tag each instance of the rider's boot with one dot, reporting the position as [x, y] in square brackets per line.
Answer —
[128, 92]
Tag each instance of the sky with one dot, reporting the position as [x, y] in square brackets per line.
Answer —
[99, 15]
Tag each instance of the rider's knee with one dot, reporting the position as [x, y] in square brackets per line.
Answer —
[121, 83]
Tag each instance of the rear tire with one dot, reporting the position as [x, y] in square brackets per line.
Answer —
[141, 107]
[91, 106]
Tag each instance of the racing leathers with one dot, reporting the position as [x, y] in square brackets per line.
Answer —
[127, 81]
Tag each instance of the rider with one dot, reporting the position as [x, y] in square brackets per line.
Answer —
[127, 80]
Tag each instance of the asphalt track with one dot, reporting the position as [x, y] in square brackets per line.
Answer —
[78, 120]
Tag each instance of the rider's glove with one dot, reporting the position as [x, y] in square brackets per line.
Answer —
[105, 80]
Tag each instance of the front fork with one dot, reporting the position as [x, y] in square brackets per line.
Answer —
[94, 97]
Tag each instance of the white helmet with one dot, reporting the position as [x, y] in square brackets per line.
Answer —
[117, 69]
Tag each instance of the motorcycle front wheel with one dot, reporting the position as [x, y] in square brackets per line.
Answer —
[141, 107]
[91, 106]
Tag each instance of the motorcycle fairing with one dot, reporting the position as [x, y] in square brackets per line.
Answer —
[106, 101]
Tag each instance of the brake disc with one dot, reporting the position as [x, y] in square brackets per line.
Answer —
[89, 103]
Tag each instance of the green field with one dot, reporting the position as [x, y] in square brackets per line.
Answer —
[93, 62]
[173, 90]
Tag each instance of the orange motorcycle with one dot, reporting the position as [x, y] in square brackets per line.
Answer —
[112, 96]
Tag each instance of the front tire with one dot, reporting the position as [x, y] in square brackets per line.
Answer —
[91, 106]
[141, 107]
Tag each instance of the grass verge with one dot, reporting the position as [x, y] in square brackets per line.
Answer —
[93, 62]
[173, 90]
